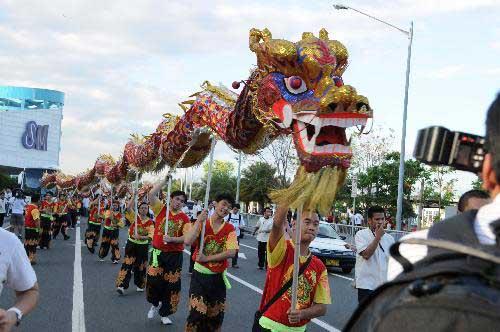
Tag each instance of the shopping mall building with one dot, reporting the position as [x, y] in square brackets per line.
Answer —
[30, 131]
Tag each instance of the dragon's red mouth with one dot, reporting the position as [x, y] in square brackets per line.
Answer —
[325, 135]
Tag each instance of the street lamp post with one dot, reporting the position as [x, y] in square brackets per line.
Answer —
[409, 34]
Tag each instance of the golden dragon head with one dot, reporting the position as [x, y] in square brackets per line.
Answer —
[299, 88]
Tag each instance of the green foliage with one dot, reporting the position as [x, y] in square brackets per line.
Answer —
[256, 182]
[477, 184]
[223, 180]
[7, 182]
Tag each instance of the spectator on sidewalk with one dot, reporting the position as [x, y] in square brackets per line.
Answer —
[262, 229]
[372, 256]
[17, 274]
[236, 219]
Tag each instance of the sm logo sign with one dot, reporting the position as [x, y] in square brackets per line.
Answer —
[35, 136]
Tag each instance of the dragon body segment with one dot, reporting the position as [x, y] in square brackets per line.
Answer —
[296, 89]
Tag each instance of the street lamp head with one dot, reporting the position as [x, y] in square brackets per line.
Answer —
[340, 7]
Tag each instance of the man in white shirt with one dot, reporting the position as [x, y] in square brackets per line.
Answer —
[17, 217]
[263, 229]
[372, 256]
[471, 200]
[236, 219]
[86, 205]
[16, 273]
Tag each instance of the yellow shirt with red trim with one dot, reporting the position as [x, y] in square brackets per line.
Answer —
[216, 242]
[31, 216]
[178, 225]
[313, 285]
[144, 227]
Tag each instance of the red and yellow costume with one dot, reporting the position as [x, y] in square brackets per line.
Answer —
[165, 264]
[94, 228]
[62, 219]
[32, 231]
[136, 252]
[46, 219]
[112, 223]
[313, 287]
[207, 294]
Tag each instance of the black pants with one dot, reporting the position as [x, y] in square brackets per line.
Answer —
[363, 293]
[136, 260]
[45, 238]
[73, 218]
[2, 217]
[192, 258]
[60, 225]
[207, 302]
[31, 238]
[262, 251]
[234, 260]
[164, 282]
[110, 239]
[92, 236]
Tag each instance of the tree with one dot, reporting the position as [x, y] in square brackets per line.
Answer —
[7, 182]
[282, 154]
[477, 184]
[256, 182]
[223, 180]
[441, 189]
[370, 149]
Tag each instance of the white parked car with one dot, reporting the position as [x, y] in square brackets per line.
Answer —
[331, 248]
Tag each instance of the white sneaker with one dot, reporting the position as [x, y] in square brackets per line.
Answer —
[120, 290]
[101, 259]
[166, 321]
[140, 289]
[153, 311]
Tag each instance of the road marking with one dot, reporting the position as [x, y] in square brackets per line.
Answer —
[316, 321]
[244, 245]
[242, 255]
[341, 276]
[78, 313]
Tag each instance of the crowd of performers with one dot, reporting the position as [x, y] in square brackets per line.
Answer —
[155, 258]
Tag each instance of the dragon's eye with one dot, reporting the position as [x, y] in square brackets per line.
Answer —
[338, 81]
[295, 85]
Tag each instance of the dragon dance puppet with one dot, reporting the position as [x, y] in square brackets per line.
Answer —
[296, 89]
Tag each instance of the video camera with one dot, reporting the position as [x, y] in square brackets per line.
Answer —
[440, 146]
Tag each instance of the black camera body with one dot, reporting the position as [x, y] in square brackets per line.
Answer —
[440, 146]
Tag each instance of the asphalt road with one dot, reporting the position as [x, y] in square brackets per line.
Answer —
[105, 310]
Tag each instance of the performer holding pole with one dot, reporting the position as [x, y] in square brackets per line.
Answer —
[112, 223]
[94, 224]
[62, 217]
[46, 219]
[301, 299]
[165, 264]
[32, 229]
[207, 293]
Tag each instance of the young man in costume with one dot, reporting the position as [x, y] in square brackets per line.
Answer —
[62, 217]
[314, 291]
[32, 229]
[207, 294]
[94, 225]
[136, 250]
[112, 223]
[165, 264]
[46, 218]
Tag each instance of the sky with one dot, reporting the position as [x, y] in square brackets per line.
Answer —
[122, 64]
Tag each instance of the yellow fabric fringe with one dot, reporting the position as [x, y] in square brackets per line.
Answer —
[312, 191]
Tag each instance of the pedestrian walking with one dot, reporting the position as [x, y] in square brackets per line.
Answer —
[32, 229]
[17, 274]
[136, 249]
[207, 292]
[113, 221]
[17, 217]
[372, 257]
[262, 229]
[3, 208]
[165, 263]
[236, 219]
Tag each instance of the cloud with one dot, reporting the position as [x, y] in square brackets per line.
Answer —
[446, 72]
